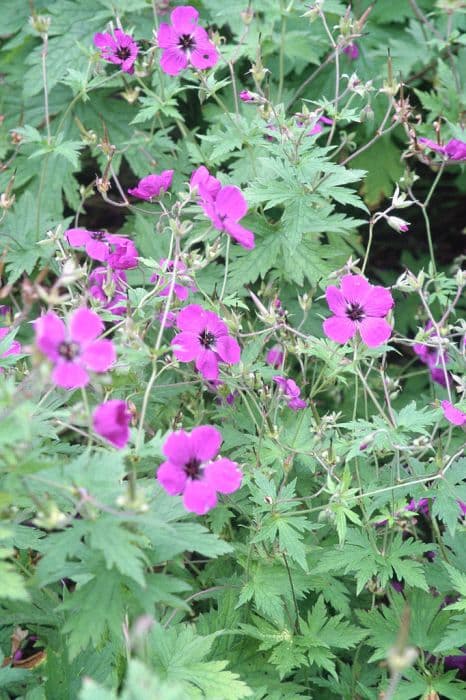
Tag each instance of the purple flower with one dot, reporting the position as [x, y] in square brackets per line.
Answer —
[206, 184]
[453, 149]
[191, 469]
[119, 252]
[180, 290]
[204, 338]
[318, 128]
[358, 306]
[14, 349]
[119, 48]
[74, 350]
[433, 358]
[185, 43]
[111, 420]
[224, 206]
[275, 356]
[421, 506]
[352, 51]
[109, 287]
[152, 185]
[292, 391]
[454, 415]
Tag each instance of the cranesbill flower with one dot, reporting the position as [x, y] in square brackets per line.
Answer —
[275, 356]
[292, 392]
[185, 43]
[74, 349]
[358, 307]
[119, 252]
[455, 149]
[192, 470]
[111, 420]
[118, 48]
[225, 211]
[352, 51]
[152, 185]
[14, 349]
[454, 415]
[180, 290]
[109, 287]
[204, 339]
[434, 358]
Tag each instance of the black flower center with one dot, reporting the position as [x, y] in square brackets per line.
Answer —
[68, 350]
[207, 339]
[186, 42]
[192, 469]
[123, 53]
[355, 312]
[98, 235]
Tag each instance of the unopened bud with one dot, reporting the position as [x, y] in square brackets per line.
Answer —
[247, 15]
[366, 114]
[397, 224]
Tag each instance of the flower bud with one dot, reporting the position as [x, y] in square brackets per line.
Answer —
[40, 24]
[397, 224]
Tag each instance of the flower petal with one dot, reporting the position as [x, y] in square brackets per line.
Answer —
[374, 331]
[172, 478]
[354, 288]
[177, 447]
[186, 346]
[184, 19]
[85, 325]
[452, 414]
[166, 37]
[230, 202]
[69, 375]
[99, 355]
[207, 364]
[378, 301]
[191, 318]
[199, 496]
[173, 61]
[50, 333]
[335, 300]
[97, 250]
[241, 235]
[205, 442]
[228, 349]
[77, 236]
[224, 475]
[339, 328]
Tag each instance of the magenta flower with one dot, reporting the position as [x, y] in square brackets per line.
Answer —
[118, 48]
[119, 252]
[14, 349]
[180, 290]
[358, 306]
[246, 96]
[225, 212]
[153, 185]
[74, 350]
[191, 469]
[292, 392]
[453, 149]
[109, 287]
[318, 128]
[111, 420]
[454, 415]
[185, 43]
[206, 184]
[433, 358]
[352, 51]
[204, 338]
[275, 356]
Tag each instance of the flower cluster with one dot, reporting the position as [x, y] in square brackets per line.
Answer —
[192, 470]
[204, 339]
[185, 43]
[225, 206]
[74, 349]
[358, 307]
